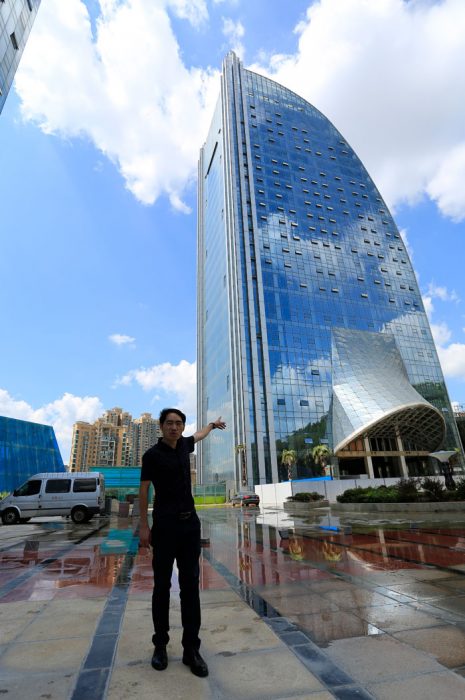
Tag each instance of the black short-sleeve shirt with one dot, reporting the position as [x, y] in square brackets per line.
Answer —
[169, 471]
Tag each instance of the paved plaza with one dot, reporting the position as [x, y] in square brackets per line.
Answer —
[315, 610]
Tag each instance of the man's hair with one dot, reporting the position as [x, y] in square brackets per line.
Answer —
[165, 411]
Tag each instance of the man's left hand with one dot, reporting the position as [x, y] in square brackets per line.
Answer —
[218, 423]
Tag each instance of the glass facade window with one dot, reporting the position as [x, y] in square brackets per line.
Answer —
[26, 449]
[16, 20]
[312, 264]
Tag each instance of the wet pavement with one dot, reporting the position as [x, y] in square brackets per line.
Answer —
[317, 607]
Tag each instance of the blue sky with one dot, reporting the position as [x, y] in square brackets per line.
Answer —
[98, 149]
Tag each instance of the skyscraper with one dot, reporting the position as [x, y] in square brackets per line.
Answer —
[16, 20]
[311, 326]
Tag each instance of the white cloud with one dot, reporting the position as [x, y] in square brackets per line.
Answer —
[177, 382]
[452, 360]
[119, 339]
[441, 333]
[234, 31]
[390, 76]
[195, 11]
[434, 291]
[126, 91]
[61, 414]
[452, 356]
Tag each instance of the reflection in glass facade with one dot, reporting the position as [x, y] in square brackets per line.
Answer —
[294, 242]
[26, 449]
[16, 20]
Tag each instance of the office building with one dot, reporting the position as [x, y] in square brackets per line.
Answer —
[16, 20]
[25, 449]
[311, 326]
[114, 439]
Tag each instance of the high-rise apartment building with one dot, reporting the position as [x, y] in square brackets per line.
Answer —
[16, 20]
[311, 326]
[114, 439]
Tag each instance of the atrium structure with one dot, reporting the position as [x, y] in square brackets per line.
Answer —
[311, 326]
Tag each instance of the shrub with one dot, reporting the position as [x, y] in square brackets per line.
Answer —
[407, 490]
[433, 489]
[305, 497]
[382, 494]
[460, 490]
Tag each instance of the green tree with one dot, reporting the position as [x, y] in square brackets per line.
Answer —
[289, 458]
[321, 456]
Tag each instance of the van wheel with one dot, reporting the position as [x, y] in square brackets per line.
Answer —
[10, 516]
[79, 515]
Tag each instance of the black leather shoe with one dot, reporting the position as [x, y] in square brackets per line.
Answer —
[197, 665]
[160, 659]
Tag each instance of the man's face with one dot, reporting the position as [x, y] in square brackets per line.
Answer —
[172, 427]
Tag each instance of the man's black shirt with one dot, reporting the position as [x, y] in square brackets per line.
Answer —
[169, 471]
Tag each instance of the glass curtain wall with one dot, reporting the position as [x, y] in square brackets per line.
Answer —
[305, 244]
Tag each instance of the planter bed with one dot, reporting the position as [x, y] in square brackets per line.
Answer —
[432, 507]
[296, 507]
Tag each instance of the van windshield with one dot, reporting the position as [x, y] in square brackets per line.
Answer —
[30, 488]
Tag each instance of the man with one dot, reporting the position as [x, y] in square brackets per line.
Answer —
[175, 534]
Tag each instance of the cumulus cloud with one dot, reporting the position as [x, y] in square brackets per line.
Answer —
[451, 355]
[452, 360]
[234, 31]
[389, 76]
[119, 339]
[61, 414]
[435, 291]
[177, 382]
[126, 89]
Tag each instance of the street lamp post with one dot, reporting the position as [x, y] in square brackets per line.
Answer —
[443, 456]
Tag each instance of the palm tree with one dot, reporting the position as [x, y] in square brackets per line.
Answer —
[321, 456]
[289, 458]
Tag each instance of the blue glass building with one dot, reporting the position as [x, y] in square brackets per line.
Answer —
[16, 20]
[311, 327]
[26, 449]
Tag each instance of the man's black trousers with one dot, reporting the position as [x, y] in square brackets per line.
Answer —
[175, 538]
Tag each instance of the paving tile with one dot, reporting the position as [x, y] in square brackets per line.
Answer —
[446, 643]
[334, 584]
[46, 655]
[327, 626]
[455, 604]
[379, 657]
[52, 686]
[59, 620]
[255, 676]
[302, 604]
[212, 597]
[429, 686]
[422, 590]
[356, 598]
[142, 682]
[456, 583]
[394, 618]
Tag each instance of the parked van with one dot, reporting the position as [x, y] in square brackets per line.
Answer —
[78, 494]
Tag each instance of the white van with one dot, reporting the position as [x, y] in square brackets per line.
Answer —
[78, 494]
